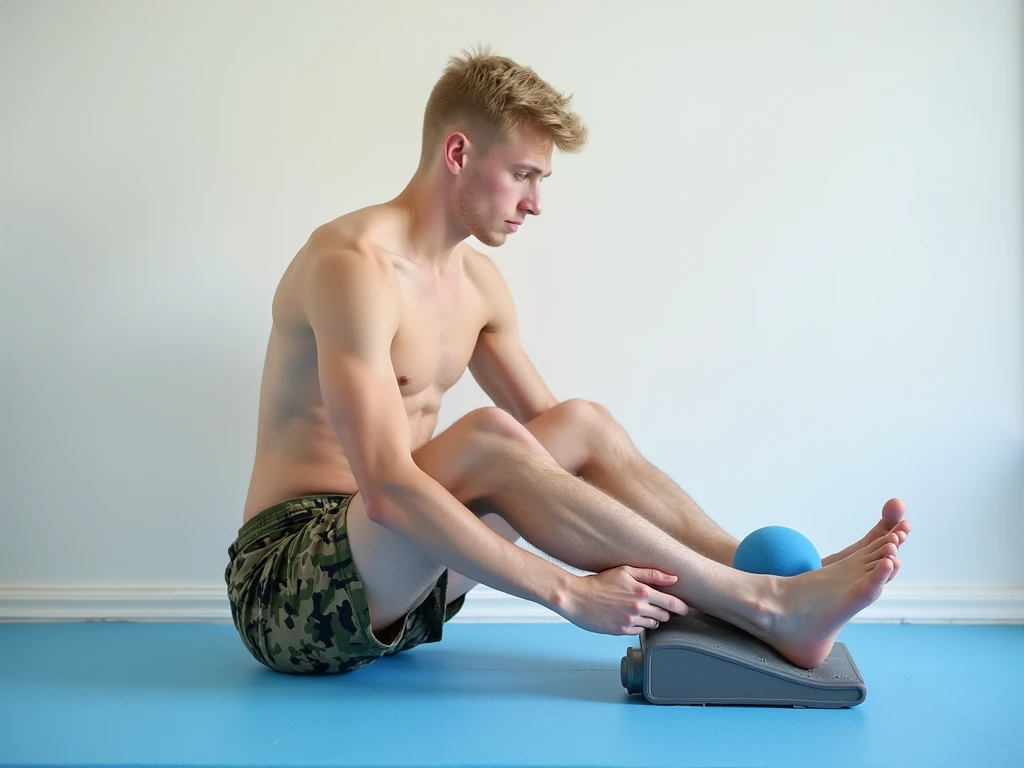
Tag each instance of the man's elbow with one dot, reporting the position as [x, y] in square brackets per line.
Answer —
[383, 501]
[385, 493]
[376, 506]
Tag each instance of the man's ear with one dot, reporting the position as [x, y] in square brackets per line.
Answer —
[456, 149]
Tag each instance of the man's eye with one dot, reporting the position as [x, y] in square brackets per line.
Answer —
[521, 176]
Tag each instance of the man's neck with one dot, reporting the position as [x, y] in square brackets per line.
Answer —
[430, 234]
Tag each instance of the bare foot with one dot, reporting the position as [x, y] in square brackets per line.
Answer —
[893, 521]
[815, 606]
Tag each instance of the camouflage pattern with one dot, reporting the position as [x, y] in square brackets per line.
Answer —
[298, 602]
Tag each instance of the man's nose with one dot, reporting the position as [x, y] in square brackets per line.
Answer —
[532, 204]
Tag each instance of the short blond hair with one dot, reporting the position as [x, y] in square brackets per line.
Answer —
[496, 95]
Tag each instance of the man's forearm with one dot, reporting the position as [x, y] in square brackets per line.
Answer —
[425, 513]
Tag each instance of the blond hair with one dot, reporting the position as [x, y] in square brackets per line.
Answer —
[494, 95]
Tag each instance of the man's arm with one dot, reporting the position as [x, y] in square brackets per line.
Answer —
[353, 305]
[499, 364]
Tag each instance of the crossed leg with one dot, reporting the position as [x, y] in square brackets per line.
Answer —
[489, 462]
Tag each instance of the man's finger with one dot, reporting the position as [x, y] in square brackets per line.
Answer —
[652, 576]
[654, 612]
[669, 603]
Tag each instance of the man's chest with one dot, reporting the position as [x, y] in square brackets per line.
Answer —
[437, 336]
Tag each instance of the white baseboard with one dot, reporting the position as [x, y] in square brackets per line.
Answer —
[926, 604]
[67, 602]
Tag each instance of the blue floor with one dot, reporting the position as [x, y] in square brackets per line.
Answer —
[148, 694]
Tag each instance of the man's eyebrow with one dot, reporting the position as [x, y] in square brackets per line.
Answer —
[534, 169]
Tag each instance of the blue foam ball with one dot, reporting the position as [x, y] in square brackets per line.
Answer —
[776, 550]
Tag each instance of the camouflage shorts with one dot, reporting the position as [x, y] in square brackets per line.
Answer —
[297, 600]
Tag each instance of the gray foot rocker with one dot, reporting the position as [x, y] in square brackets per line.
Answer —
[698, 659]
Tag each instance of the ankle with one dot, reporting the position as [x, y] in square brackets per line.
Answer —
[751, 601]
[764, 606]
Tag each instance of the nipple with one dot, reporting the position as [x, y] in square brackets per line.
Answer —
[403, 380]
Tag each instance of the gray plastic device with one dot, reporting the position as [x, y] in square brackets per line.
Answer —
[700, 660]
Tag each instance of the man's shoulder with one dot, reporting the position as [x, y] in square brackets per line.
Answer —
[350, 233]
[344, 245]
[491, 287]
[337, 256]
[480, 268]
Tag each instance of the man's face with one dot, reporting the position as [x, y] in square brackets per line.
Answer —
[497, 191]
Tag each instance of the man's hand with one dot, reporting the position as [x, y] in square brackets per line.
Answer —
[622, 601]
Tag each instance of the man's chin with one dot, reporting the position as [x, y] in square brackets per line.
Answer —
[492, 239]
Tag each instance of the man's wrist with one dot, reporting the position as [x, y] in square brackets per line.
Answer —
[560, 590]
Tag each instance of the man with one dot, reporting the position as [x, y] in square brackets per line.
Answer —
[363, 531]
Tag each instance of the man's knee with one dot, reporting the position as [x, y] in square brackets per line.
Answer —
[480, 444]
[592, 426]
[587, 416]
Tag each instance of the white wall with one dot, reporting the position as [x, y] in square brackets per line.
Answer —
[790, 261]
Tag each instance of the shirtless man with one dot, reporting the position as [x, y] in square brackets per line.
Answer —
[363, 531]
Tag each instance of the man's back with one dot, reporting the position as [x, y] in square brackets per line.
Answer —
[443, 309]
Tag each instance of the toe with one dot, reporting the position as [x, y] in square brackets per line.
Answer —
[873, 581]
[893, 512]
[881, 547]
[884, 552]
[882, 571]
[895, 568]
[889, 538]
